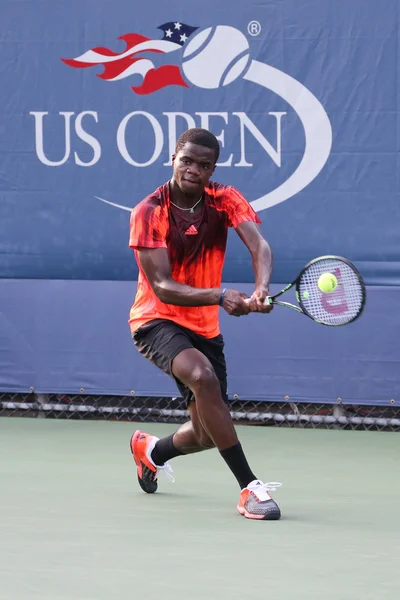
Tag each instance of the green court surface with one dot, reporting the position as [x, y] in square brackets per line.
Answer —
[75, 525]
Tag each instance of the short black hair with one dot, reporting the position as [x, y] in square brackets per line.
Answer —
[199, 136]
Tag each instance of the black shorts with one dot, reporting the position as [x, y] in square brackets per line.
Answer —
[160, 341]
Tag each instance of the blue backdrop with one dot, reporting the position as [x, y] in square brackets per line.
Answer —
[314, 106]
[303, 97]
[73, 335]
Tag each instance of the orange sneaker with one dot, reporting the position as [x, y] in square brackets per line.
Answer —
[256, 503]
[142, 445]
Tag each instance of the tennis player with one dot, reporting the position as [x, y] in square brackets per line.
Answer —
[179, 234]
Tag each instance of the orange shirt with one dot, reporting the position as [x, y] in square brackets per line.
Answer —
[196, 246]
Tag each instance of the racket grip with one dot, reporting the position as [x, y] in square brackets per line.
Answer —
[268, 300]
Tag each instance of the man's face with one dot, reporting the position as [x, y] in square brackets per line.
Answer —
[193, 166]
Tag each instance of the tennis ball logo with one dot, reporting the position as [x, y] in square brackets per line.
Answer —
[215, 58]
[327, 282]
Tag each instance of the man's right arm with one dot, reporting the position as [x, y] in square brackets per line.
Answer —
[157, 268]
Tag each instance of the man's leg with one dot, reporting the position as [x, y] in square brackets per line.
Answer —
[190, 438]
[193, 368]
[195, 371]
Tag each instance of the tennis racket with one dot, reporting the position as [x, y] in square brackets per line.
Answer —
[341, 306]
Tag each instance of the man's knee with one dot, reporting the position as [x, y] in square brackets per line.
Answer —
[203, 377]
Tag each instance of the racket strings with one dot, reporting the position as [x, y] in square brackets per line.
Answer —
[338, 307]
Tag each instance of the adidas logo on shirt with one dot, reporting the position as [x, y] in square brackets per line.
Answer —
[191, 231]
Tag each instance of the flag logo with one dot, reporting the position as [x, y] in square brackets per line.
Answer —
[134, 61]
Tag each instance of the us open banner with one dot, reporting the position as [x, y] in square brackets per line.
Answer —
[302, 96]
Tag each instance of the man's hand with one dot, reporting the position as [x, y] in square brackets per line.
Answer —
[257, 301]
[234, 303]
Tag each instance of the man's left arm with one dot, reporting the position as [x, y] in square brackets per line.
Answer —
[262, 258]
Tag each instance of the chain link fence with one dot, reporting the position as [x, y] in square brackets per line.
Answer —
[173, 410]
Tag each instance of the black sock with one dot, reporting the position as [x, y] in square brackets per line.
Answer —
[164, 450]
[237, 462]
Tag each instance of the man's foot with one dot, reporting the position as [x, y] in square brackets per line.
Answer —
[142, 445]
[256, 503]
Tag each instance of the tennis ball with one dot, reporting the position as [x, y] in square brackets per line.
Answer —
[327, 282]
[215, 57]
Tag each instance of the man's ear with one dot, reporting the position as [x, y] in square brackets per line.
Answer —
[173, 158]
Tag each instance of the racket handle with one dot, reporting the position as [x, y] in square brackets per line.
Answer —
[268, 300]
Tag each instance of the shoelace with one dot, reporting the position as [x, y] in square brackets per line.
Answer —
[272, 486]
[261, 489]
[167, 470]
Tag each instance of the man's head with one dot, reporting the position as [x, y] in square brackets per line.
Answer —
[196, 154]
